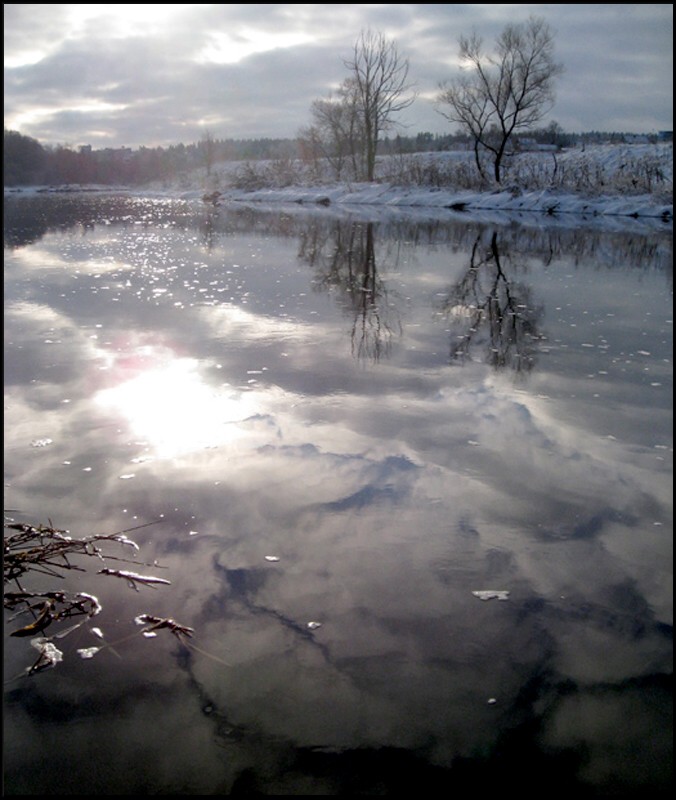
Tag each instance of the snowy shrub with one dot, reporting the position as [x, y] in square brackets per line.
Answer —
[592, 171]
[432, 170]
[275, 174]
[249, 177]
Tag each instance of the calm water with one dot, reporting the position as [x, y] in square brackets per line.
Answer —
[354, 421]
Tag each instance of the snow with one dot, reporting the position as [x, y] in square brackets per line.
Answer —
[603, 180]
[542, 201]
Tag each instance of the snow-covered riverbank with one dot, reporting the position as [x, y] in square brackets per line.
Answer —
[604, 178]
[541, 201]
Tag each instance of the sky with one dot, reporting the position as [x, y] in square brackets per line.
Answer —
[112, 75]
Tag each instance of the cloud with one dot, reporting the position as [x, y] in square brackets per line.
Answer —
[126, 75]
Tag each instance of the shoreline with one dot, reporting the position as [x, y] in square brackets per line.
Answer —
[379, 200]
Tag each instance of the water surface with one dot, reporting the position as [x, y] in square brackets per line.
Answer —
[356, 420]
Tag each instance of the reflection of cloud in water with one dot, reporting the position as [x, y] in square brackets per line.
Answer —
[406, 651]
[37, 259]
[53, 262]
[388, 494]
[230, 320]
[35, 324]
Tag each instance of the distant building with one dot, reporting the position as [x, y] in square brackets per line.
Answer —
[665, 136]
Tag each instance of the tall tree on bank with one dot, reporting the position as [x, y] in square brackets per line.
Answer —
[347, 126]
[499, 94]
[379, 83]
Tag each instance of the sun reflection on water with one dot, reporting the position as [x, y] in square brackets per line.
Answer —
[167, 402]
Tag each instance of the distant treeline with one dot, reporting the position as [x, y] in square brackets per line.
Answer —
[27, 162]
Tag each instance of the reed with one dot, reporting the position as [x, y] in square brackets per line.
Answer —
[44, 550]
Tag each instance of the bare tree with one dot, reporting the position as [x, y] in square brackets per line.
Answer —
[347, 126]
[500, 94]
[378, 86]
[336, 133]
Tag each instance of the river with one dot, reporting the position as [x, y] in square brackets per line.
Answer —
[408, 477]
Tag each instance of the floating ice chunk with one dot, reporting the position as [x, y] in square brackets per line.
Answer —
[97, 632]
[491, 701]
[94, 602]
[272, 558]
[49, 654]
[41, 442]
[88, 652]
[314, 625]
[491, 594]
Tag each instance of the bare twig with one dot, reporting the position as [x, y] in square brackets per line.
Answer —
[156, 623]
[133, 577]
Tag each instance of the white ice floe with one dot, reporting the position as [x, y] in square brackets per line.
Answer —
[88, 652]
[491, 594]
[50, 655]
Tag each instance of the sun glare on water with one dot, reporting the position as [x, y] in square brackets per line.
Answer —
[171, 407]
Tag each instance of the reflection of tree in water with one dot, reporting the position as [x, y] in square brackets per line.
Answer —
[344, 258]
[207, 227]
[487, 309]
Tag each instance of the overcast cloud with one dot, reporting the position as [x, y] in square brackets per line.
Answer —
[112, 75]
